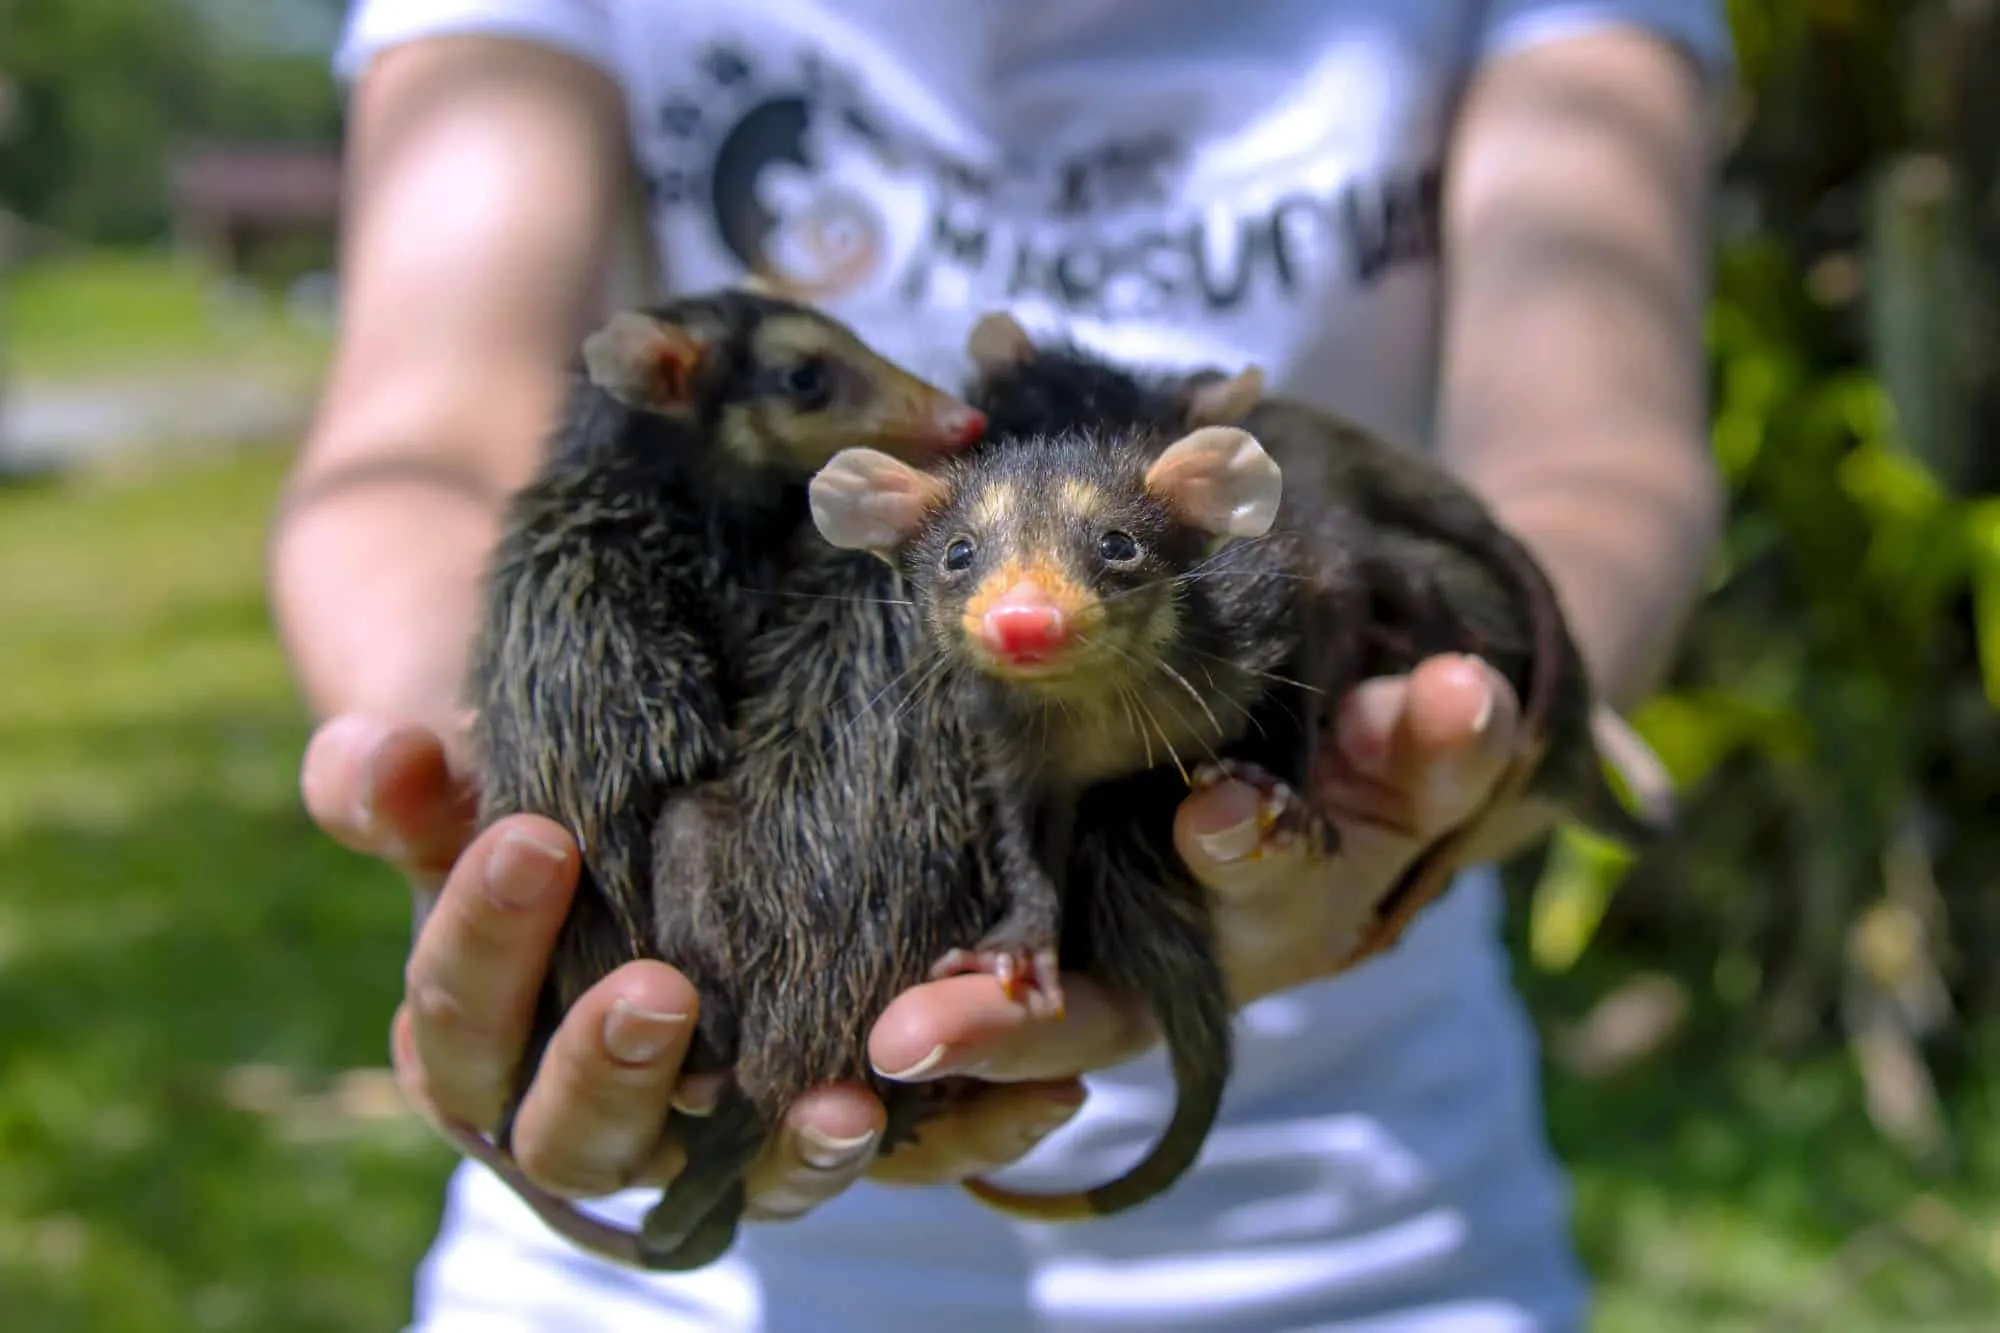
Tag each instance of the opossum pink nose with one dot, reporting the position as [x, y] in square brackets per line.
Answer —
[1023, 630]
[963, 425]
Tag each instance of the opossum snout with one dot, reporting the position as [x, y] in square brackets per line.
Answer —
[1024, 627]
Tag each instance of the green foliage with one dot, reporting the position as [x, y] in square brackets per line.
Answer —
[108, 87]
[1836, 716]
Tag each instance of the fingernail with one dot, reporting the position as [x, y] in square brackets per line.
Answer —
[826, 1153]
[1232, 844]
[699, 1094]
[927, 1065]
[638, 1036]
[522, 871]
[1240, 804]
[1484, 718]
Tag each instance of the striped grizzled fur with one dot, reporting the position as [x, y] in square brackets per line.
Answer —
[601, 675]
[634, 571]
[865, 831]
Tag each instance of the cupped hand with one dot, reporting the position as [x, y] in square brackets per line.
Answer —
[1415, 757]
[591, 1121]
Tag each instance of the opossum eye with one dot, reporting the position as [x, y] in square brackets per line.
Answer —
[1117, 547]
[808, 384]
[958, 556]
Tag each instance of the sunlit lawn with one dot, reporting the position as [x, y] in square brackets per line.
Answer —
[187, 969]
[139, 314]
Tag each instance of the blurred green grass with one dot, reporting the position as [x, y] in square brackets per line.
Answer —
[173, 931]
[187, 970]
[140, 314]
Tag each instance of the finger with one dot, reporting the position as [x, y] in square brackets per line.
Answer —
[1417, 757]
[473, 976]
[967, 1025]
[1284, 915]
[823, 1145]
[991, 1128]
[1219, 833]
[387, 789]
[593, 1117]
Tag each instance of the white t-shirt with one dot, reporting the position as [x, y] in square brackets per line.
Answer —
[1187, 182]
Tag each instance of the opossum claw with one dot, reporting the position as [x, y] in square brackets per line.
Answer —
[1028, 976]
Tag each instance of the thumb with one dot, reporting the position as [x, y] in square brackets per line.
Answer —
[1243, 839]
[387, 788]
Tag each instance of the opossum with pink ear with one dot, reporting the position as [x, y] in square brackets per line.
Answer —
[1442, 574]
[1126, 611]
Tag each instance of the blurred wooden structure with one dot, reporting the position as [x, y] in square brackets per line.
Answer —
[234, 203]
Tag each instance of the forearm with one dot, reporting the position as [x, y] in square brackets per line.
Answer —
[1572, 393]
[486, 176]
[374, 586]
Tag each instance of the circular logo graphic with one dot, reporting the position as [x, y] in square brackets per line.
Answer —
[781, 216]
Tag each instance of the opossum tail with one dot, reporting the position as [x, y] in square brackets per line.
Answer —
[1651, 813]
[1192, 1009]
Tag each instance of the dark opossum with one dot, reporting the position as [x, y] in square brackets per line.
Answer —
[1062, 582]
[1443, 575]
[864, 833]
[634, 571]
[1106, 594]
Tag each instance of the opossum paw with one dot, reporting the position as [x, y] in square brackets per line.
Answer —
[1028, 976]
[1283, 819]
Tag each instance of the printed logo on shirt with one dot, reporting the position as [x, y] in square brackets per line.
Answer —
[801, 187]
[815, 192]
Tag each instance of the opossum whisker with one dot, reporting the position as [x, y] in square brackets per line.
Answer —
[877, 698]
[1249, 714]
[1166, 741]
[924, 682]
[1193, 651]
[1158, 663]
[1197, 576]
[1132, 720]
[853, 598]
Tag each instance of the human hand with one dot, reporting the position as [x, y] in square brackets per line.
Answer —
[1415, 756]
[591, 1121]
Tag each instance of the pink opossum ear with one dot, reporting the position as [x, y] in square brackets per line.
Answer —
[864, 500]
[1222, 402]
[998, 343]
[644, 362]
[1219, 479]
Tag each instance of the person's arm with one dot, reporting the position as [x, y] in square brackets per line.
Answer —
[484, 179]
[1571, 383]
[1572, 388]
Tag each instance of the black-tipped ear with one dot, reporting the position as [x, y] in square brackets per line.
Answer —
[644, 362]
[1220, 479]
[864, 500]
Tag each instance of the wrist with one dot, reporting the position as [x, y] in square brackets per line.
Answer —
[1625, 546]
[374, 581]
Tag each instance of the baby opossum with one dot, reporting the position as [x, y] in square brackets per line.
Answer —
[633, 572]
[1443, 576]
[1087, 581]
[1060, 579]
